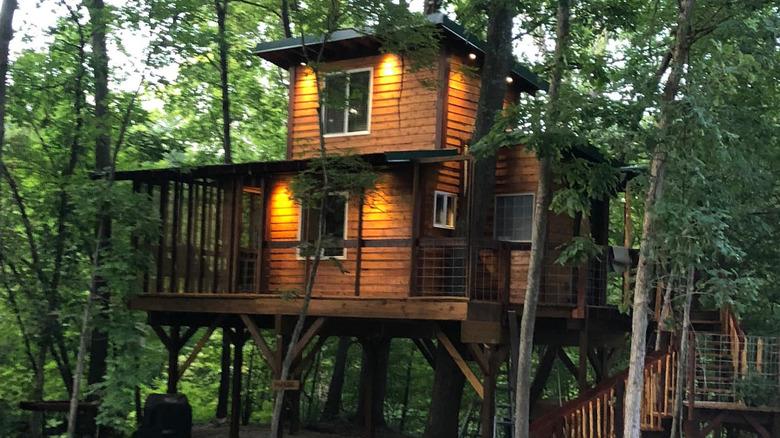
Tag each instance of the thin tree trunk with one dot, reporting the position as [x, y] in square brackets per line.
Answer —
[333, 402]
[539, 230]
[221, 8]
[666, 311]
[103, 165]
[634, 383]
[314, 381]
[682, 362]
[285, 6]
[224, 379]
[6, 35]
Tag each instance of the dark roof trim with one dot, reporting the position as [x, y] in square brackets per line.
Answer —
[259, 167]
[268, 50]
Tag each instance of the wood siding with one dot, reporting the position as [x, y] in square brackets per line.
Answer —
[402, 117]
[384, 271]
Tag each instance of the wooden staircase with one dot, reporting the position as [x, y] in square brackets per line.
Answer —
[722, 356]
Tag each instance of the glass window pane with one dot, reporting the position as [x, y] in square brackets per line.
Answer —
[358, 101]
[514, 217]
[438, 206]
[335, 95]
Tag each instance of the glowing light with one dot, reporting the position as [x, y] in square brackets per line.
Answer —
[509, 80]
[389, 65]
[303, 64]
[472, 56]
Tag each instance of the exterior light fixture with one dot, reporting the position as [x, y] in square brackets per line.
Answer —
[509, 79]
[472, 56]
[303, 64]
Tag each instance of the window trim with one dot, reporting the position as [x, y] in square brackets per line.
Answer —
[454, 196]
[495, 214]
[298, 255]
[346, 118]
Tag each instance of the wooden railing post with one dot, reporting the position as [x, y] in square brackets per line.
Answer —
[620, 393]
[416, 217]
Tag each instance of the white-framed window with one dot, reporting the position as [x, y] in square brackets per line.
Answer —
[444, 207]
[336, 214]
[514, 216]
[347, 107]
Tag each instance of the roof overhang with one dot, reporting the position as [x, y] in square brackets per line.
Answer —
[354, 43]
[216, 171]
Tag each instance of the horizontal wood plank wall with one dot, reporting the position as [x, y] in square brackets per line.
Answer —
[403, 110]
[518, 172]
[463, 95]
[384, 271]
[462, 99]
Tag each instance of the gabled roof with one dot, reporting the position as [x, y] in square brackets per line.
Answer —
[353, 43]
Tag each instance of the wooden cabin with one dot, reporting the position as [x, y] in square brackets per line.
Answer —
[228, 249]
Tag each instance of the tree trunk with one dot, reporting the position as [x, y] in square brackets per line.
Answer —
[634, 383]
[221, 8]
[448, 383]
[373, 383]
[98, 289]
[539, 229]
[285, 6]
[98, 351]
[682, 358]
[495, 69]
[448, 380]
[6, 35]
[333, 402]
[666, 312]
[224, 378]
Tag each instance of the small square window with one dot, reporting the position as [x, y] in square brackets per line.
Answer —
[513, 217]
[444, 205]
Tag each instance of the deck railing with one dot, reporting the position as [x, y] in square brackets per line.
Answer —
[735, 369]
[598, 412]
[453, 267]
[212, 239]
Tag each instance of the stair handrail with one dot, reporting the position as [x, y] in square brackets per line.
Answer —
[737, 340]
[599, 398]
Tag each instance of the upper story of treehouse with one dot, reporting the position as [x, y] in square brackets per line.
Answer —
[375, 101]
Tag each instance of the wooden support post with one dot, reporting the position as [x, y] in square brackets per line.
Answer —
[199, 346]
[568, 363]
[462, 365]
[359, 250]
[416, 218]
[489, 396]
[582, 368]
[542, 374]
[238, 339]
[620, 395]
[258, 283]
[368, 400]
[269, 355]
[428, 352]
[174, 346]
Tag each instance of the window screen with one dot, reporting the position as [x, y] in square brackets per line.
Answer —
[444, 210]
[513, 218]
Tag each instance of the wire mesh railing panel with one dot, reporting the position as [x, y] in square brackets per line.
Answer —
[744, 370]
[442, 265]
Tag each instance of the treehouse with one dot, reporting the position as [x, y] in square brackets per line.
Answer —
[397, 263]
